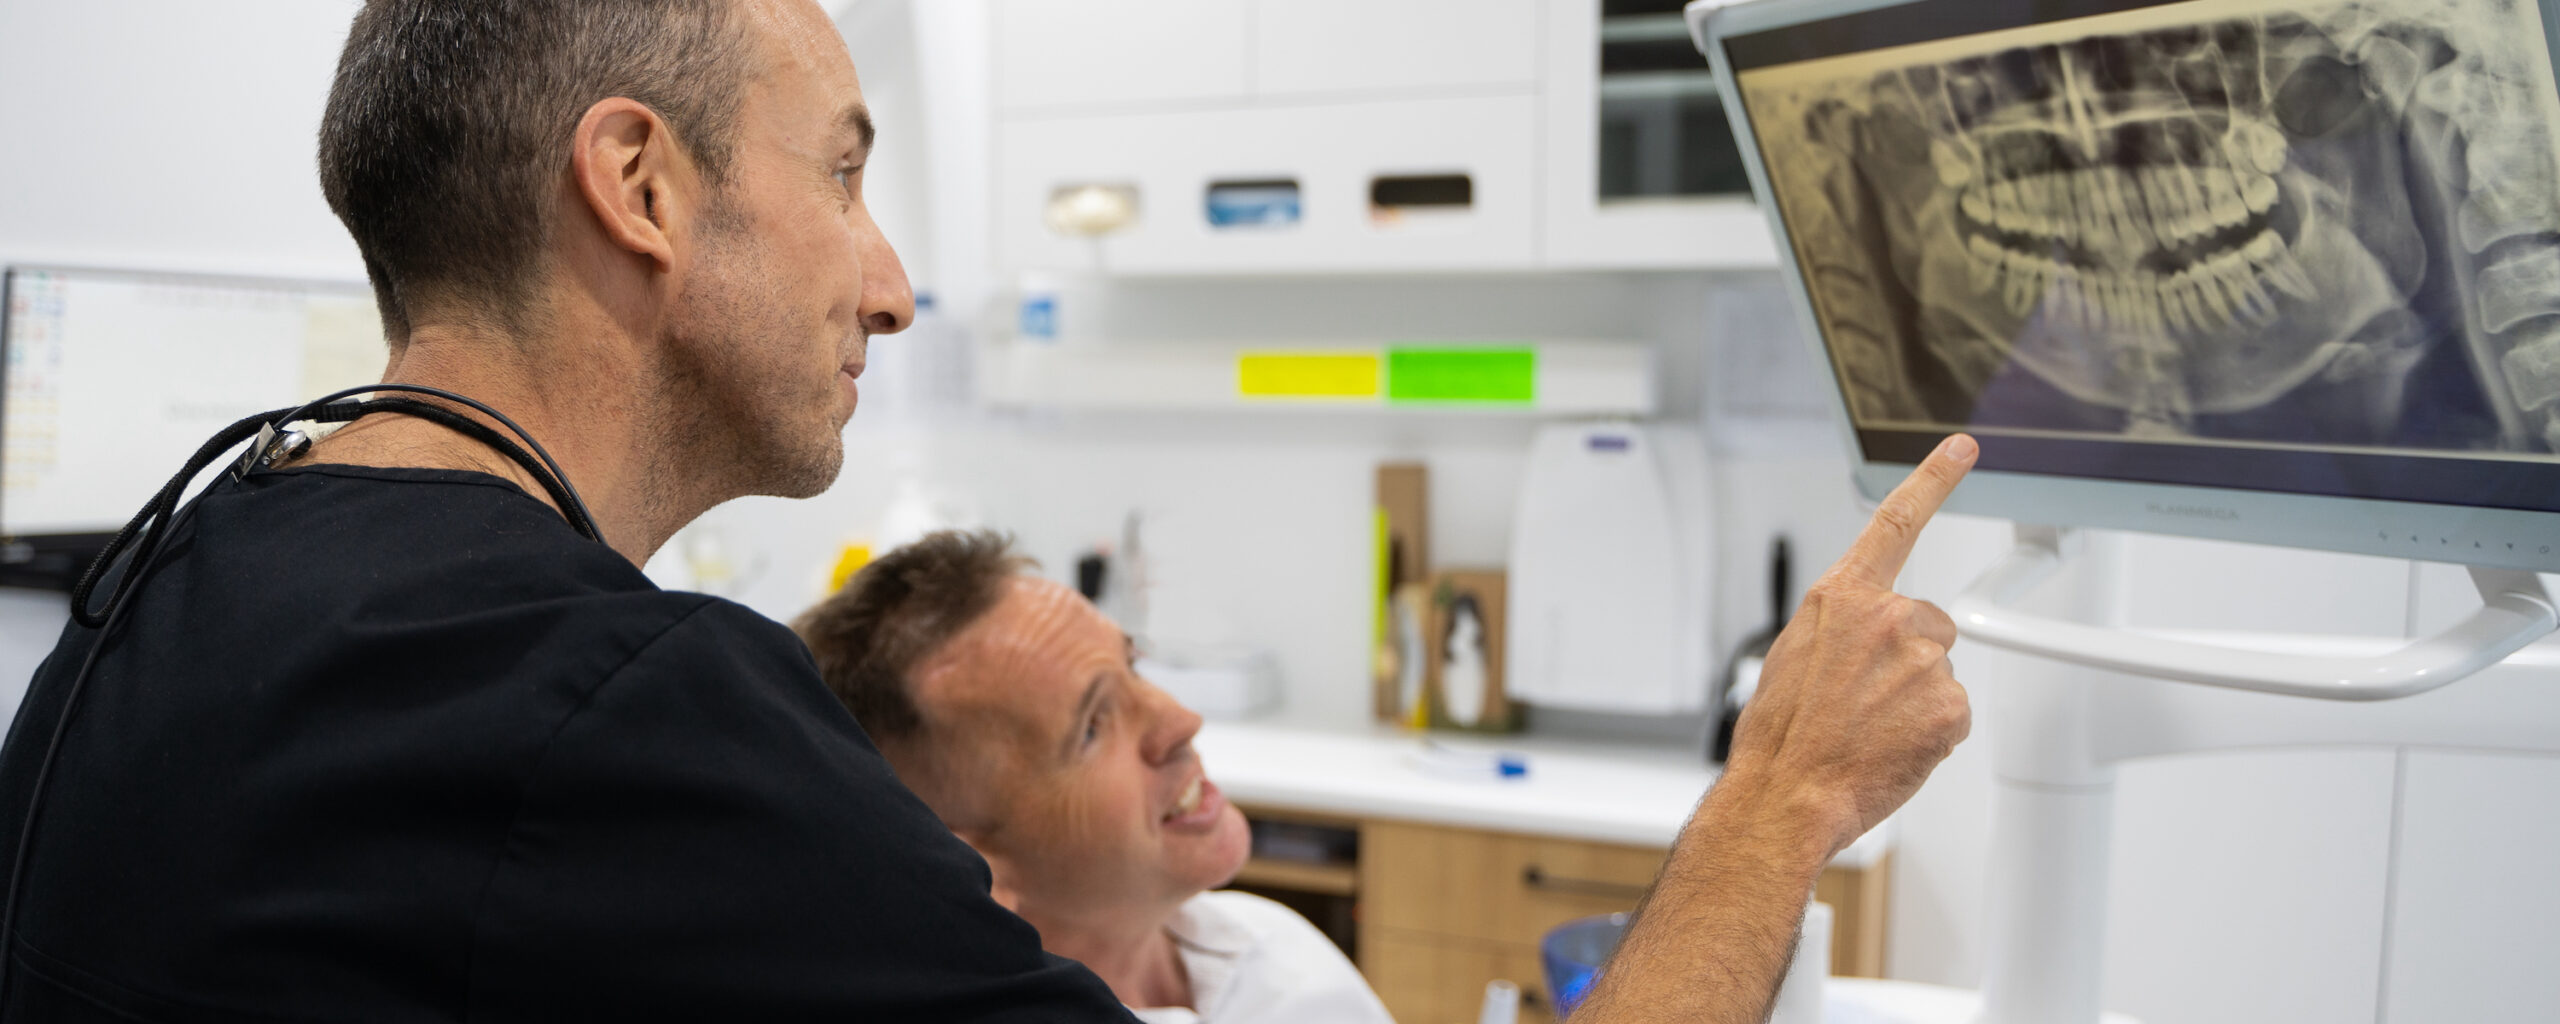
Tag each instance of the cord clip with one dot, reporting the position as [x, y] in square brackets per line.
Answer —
[271, 447]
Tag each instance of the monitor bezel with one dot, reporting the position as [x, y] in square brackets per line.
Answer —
[2464, 534]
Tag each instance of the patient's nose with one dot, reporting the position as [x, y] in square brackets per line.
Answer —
[1171, 726]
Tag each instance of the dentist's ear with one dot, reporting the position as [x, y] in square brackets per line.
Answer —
[1002, 889]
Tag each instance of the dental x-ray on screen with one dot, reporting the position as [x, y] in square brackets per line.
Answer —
[2164, 242]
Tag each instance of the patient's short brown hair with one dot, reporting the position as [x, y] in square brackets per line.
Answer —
[897, 611]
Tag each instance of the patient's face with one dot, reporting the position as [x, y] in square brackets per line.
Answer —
[1084, 784]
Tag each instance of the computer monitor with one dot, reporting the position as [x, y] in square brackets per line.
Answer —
[2279, 272]
[109, 380]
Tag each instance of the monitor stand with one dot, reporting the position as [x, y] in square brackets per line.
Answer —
[2058, 739]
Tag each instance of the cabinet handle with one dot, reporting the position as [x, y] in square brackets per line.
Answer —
[1536, 877]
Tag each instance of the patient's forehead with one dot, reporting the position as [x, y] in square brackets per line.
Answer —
[1023, 666]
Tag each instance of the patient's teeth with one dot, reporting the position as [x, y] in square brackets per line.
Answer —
[2260, 193]
[1983, 270]
[1190, 799]
[2066, 301]
[2143, 299]
[2224, 196]
[2123, 201]
[2157, 205]
[2247, 296]
[2091, 209]
[2213, 309]
[2024, 284]
[2061, 300]
[2258, 143]
[1975, 207]
[2172, 305]
[2275, 263]
[2048, 206]
[2005, 205]
[2187, 192]
[2101, 299]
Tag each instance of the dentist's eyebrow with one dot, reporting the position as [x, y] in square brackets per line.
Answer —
[857, 119]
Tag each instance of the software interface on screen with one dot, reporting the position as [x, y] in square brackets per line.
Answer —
[110, 381]
[2306, 246]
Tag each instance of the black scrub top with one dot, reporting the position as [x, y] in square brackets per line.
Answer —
[398, 745]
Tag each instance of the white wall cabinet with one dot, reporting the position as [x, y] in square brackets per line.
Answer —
[1065, 55]
[1170, 98]
[1332, 153]
[1586, 227]
[1338, 47]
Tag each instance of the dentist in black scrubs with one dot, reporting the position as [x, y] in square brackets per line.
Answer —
[382, 737]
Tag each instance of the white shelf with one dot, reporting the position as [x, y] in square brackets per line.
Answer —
[1573, 378]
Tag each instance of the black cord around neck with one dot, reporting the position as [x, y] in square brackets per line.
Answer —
[570, 508]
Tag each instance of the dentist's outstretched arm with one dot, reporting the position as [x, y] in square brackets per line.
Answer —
[1856, 705]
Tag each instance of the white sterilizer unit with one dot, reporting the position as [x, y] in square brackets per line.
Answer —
[1611, 559]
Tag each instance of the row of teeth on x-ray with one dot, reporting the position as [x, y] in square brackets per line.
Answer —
[2212, 294]
[2113, 209]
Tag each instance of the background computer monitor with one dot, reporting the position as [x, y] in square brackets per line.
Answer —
[109, 380]
[2286, 272]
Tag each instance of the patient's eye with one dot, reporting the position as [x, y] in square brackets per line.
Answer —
[1093, 723]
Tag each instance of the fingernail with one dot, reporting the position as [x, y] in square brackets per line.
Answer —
[1960, 448]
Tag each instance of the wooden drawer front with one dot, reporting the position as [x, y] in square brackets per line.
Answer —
[1428, 979]
[1492, 887]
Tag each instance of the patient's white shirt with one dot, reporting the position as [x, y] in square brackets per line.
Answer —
[1253, 961]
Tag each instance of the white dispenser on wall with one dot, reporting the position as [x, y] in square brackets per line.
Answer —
[1611, 560]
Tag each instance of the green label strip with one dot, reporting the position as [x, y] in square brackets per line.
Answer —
[1498, 375]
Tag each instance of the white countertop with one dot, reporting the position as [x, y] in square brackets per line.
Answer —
[1633, 794]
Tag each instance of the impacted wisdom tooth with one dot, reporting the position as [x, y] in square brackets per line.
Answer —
[2256, 144]
[2260, 191]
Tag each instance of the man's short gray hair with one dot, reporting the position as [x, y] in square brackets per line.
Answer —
[448, 129]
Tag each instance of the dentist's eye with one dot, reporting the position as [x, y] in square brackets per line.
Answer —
[849, 178]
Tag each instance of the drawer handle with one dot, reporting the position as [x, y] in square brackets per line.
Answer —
[1536, 877]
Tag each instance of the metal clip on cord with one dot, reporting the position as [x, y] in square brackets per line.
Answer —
[139, 542]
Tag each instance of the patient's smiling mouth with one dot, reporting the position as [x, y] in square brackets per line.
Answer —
[1200, 807]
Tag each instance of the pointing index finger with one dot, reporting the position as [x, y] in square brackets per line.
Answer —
[1877, 555]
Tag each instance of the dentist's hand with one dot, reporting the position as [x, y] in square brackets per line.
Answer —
[1857, 702]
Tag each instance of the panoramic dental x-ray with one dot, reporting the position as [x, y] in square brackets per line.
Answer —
[2322, 223]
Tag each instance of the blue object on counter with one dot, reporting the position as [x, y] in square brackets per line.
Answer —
[1573, 953]
[1436, 758]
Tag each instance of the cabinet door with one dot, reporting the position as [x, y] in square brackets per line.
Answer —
[1425, 979]
[1063, 54]
[1658, 123]
[1331, 155]
[1304, 47]
[1506, 890]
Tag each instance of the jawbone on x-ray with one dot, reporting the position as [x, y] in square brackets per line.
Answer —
[2330, 224]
